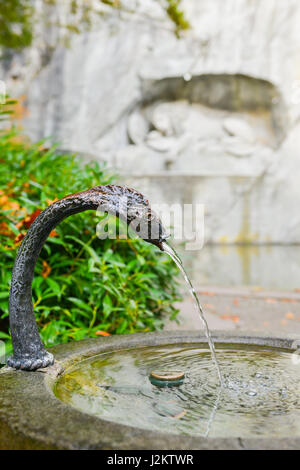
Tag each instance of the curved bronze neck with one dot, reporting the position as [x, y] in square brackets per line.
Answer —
[128, 204]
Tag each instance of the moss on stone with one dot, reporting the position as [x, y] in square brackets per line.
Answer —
[177, 15]
[16, 24]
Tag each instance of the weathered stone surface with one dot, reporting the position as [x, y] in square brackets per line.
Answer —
[160, 143]
[239, 128]
[31, 417]
[138, 128]
[237, 146]
[235, 71]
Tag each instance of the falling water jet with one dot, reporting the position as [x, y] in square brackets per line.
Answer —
[172, 253]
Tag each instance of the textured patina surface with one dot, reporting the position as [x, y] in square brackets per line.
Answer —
[31, 417]
[126, 203]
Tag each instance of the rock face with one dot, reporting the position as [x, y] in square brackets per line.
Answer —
[211, 118]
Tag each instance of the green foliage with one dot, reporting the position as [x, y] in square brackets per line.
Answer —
[83, 286]
[16, 23]
[112, 3]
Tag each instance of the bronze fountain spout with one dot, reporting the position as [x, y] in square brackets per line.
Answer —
[126, 203]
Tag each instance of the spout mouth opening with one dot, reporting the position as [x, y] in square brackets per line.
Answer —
[159, 243]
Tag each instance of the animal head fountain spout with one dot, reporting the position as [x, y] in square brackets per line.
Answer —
[127, 204]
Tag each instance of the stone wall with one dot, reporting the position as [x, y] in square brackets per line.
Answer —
[212, 117]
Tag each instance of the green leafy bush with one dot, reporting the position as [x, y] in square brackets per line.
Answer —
[83, 286]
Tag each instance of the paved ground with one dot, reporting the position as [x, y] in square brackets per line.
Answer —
[242, 309]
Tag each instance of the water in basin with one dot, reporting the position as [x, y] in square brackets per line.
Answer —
[260, 396]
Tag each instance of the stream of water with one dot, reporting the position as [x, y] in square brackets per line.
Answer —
[172, 253]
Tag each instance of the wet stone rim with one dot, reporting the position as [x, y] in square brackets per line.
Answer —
[31, 417]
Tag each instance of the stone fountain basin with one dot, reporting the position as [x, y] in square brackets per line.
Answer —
[31, 417]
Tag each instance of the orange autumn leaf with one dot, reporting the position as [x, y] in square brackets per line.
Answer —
[208, 293]
[8, 204]
[286, 299]
[28, 220]
[19, 225]
[53, 233]
[26, 187]
[51, 201]
[13, 206]
[271, 301]
[102, 333]
[19, 238]
[46, 269]
[18, 109]
[234, 318]
[289, 316]
[3, 199]
[4, 229]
